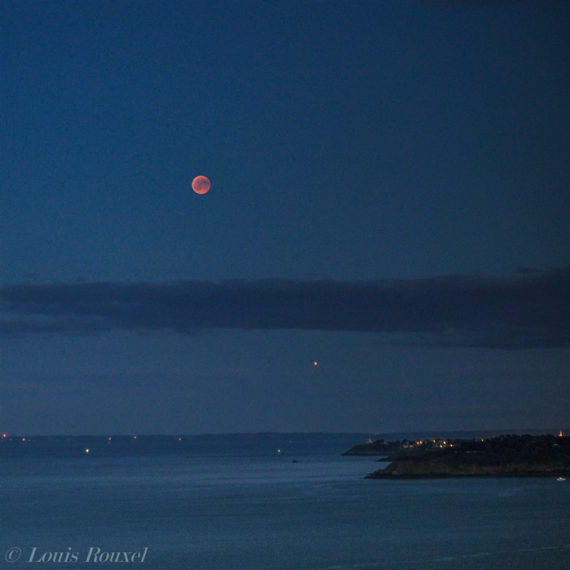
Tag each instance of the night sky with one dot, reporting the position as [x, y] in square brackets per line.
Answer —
[385, 245]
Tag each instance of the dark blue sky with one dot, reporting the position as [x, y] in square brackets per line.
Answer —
[389, 197]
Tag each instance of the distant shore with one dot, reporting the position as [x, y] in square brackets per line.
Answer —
[500, 456]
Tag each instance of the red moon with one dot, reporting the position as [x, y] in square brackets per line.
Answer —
[201, 184]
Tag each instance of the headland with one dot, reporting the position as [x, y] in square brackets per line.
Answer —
[500, 456]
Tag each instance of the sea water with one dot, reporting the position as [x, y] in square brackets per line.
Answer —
[264, 501]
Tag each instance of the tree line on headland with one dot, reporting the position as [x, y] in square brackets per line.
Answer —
[503, 455]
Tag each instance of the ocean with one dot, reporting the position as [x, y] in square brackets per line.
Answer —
[262, 501]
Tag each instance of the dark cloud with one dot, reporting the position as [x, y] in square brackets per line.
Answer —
[525, 269]
[454, 3]
[524, 311]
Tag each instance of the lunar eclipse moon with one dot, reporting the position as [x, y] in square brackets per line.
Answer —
[201, 184]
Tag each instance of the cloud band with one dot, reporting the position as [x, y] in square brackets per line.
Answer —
[524, 311]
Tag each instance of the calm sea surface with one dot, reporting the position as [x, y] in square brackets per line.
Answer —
[236, 502]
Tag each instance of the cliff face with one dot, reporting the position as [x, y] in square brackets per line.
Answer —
[514, 456]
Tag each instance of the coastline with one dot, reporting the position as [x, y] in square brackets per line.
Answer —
[500, 456]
